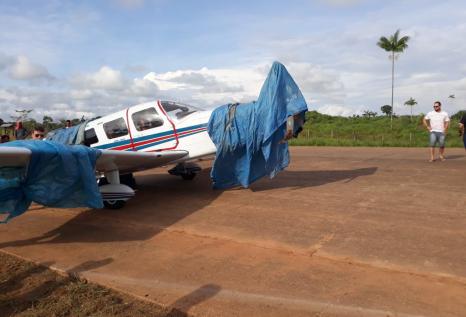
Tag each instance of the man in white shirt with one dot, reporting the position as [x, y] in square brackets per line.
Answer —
[437, 122]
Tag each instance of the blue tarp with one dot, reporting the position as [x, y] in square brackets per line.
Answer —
[65, 135]
[57, 176]
[249, 137]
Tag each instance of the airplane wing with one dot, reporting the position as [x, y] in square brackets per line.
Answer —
[14, 156]
[129, 161]
[109, 160]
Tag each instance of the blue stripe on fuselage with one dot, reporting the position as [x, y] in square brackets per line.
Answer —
[141, 147]
[151, 136]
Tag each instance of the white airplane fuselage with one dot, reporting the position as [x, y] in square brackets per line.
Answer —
[153, 127]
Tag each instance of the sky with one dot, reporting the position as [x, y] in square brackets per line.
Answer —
[68, 59]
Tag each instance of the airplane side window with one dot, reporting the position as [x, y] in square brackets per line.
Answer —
[115, 128]
[90, 137]
[146, 119]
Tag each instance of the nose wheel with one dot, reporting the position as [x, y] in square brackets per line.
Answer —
[187, 171]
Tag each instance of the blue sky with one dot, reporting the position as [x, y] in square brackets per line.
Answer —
[73, 58]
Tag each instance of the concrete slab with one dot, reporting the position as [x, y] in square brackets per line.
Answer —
[342, 232]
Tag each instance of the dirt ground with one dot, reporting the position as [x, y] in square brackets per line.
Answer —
[30, 289]
[341, 232]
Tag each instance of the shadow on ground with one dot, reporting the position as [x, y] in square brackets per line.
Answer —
[303, 179]
[182, 305]
[162, 200]
[454, 157]
[89, 266]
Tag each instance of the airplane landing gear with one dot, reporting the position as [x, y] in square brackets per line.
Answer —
[114, 193]
[187, 171]
[114, 204]
[125, 179]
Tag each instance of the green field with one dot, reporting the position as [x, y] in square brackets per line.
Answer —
[325, 130]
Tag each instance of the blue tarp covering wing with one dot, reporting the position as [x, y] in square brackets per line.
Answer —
[249, 137]
[57, 176]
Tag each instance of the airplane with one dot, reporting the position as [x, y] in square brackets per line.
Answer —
[145, 136]
[140, 137]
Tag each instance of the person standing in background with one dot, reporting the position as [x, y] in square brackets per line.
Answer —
[437, 122]
[5, 138]
[20, 132]
[462, 128]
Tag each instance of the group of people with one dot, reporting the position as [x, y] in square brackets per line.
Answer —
[437, 123]
[20, 133]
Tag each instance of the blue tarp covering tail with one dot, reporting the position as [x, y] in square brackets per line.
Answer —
[57, 176]
[249, 137]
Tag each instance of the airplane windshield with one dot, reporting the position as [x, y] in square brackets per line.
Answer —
[178, 110]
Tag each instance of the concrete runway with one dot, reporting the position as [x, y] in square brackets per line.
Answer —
[341, 232]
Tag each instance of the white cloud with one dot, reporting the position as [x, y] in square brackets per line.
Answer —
[7, 96]
[336, 110]
[22, 68]
[144, 87]
[210, 86]
[81, 94]
[105, 78]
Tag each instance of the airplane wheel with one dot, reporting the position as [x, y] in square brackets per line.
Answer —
[126, 179]
[114, 204]
[188, 177]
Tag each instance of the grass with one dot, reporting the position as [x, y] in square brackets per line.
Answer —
[31, 290]
[324, 130]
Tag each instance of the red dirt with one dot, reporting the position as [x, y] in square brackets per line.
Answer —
[342, 232]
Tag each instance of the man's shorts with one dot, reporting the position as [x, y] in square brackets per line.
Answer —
[437, 137]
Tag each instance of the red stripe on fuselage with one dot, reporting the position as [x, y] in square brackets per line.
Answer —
[136, 144]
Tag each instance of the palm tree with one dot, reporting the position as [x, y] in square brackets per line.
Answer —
[393, 44]
[411, 103]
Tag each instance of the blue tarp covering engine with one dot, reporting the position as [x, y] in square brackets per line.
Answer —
[250, 137]
[57, 176]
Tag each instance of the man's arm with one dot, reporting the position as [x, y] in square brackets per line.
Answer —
[446, 124]
[426, 124]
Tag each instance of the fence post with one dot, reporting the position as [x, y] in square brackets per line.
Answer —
[410, 138]
[382, 139]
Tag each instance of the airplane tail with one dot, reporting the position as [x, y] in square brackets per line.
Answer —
[250, 137]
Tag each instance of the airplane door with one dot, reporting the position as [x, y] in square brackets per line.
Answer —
[151, 129]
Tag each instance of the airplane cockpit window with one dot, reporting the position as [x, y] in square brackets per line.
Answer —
[177, 110]
[146, 119]
[115, 128]
[90, 137]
